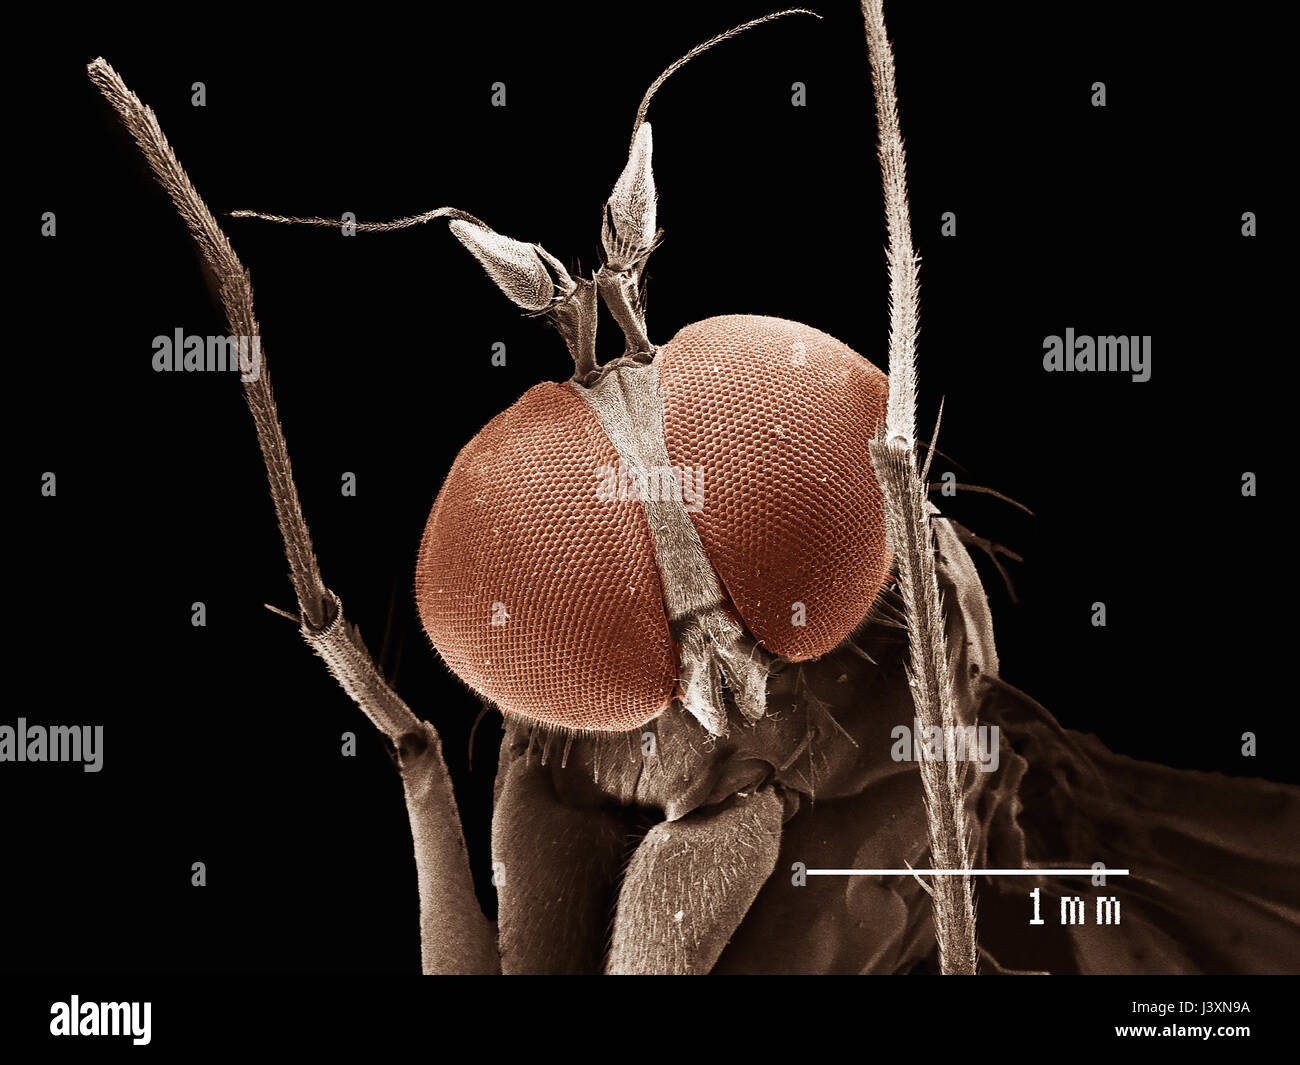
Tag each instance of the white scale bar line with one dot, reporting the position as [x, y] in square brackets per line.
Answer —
[967, 872]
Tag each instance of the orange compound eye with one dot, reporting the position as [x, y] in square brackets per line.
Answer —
[544, 595]
[779, 415]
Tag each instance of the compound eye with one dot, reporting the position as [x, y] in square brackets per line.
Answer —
[780, 417]
[541, 595]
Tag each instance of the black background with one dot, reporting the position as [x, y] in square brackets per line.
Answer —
[223, 743]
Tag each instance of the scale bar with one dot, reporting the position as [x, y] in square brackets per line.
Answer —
[967, 872]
